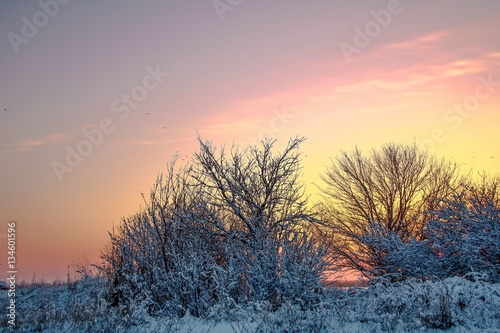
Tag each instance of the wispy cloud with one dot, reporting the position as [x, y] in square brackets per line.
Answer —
[421, 42]
[493, 55]
[421, 64]
[32, 143]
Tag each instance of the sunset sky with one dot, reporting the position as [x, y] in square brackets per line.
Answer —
[144, 77]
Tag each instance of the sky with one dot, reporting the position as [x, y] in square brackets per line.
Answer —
[97, 97]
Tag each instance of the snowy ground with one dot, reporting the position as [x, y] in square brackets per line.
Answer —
[452, 305]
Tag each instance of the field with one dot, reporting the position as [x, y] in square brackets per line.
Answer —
[452, 305]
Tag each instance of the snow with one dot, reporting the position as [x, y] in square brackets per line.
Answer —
[459, 304]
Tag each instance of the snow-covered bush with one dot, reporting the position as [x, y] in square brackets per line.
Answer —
[165, 256]
[462, 237]
[226, 230]
[398, 258]
[80, 306]
[288, 318]
[301, 270]
[466, 236]
[256, 202]
[414, 305]
[454, 304]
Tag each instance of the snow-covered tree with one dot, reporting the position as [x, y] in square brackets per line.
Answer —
[223, 230]
[256, 202]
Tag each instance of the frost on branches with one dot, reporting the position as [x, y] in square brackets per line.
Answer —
[230, 228]
[462, 237]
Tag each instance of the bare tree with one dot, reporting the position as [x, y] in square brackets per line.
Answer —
[484, 191]
[392, 187]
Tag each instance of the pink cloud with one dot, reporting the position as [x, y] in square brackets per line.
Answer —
[30, 144]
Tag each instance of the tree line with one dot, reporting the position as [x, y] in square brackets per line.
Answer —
[235, 226]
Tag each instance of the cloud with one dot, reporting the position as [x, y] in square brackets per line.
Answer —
[427, 41]
[32, 143]
[409, 72]
[427, 63]
[493, 55]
